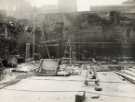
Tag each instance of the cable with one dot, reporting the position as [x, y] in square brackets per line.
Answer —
[109, 95]
[79, 80]
[89, 92]
[110, 82]
[59, 80]
[43, 91]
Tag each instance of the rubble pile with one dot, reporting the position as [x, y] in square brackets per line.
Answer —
[27, 67]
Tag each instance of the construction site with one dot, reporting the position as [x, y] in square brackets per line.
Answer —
[59, 54]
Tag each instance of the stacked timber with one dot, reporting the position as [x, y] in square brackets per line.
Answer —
[128, 73]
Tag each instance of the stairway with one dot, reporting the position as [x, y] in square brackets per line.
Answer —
[128, 74]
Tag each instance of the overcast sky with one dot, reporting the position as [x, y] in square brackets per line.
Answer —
[82, 4]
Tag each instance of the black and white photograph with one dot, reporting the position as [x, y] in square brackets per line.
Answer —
[67, 50]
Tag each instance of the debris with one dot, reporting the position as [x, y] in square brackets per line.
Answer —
[97, 88]
[80, 97]
[95, 97]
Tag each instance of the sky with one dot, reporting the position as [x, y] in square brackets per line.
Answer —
[82, 4]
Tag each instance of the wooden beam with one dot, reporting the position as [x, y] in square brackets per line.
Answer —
[50, 41]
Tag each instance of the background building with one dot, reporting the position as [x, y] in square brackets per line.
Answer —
[126, 7]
